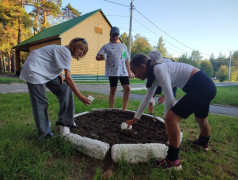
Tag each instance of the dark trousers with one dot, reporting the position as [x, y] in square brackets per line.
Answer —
[40, 104]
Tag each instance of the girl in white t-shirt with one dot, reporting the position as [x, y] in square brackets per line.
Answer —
[117, 66]
[43, 68]
[199, 89]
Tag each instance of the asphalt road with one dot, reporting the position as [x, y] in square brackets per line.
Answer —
[104, 89]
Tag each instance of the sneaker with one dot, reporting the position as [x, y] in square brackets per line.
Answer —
[197, 143]
[49, 135]
[166, 164]
[59, 123]
[74, 125]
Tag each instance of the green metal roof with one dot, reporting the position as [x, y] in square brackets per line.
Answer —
[57, 29]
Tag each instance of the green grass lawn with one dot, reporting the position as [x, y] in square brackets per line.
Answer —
[226, 95]
[132, 81]
[23, 157]
[9, 80]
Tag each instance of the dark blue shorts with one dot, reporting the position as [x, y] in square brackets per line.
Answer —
[114, 79]
[200, 90]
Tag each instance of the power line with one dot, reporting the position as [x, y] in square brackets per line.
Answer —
[163, 30]
[167, 33]
[119, 15]
[117, 3]
[159, 36]
[158, 28]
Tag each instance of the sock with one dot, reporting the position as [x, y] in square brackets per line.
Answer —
[172, 153]
[204, 140]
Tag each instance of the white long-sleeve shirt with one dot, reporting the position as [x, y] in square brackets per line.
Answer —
[167, 75]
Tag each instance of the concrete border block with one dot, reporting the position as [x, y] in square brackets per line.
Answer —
[134, 153]
[91, 147]
[79, 114]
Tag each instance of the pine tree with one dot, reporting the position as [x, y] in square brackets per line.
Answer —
[160, 47]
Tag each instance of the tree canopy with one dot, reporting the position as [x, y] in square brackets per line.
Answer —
[140, 45]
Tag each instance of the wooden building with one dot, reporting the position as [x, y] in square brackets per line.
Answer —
[93, 26]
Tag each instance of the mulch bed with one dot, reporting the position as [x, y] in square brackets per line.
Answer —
[106, 126]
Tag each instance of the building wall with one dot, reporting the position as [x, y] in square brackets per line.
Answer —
[96, 31]
[37, 46]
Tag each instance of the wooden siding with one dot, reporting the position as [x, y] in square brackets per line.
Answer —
[86, 29]
[33, 47]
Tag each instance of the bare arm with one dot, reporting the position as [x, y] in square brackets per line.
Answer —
[128, 69]
[100, 57]
[72, 85]
[131, 122]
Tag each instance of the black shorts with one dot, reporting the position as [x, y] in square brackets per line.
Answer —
[159, 91]
[200, 90]
[114, 79]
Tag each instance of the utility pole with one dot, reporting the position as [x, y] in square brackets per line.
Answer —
[229, 77]
[131, 9]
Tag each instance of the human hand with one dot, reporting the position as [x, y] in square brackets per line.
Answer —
[130, 75]
[131, 122]
[62, 78]
[100, 57]
[86, 101]
[161, 100]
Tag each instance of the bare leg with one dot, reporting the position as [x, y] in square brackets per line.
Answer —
[126, 96]
[150, 108]
[172, 128]
[112, 96]
[204, 126]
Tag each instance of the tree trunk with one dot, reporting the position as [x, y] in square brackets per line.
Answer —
[36, 19]
[12, 62]
[45, 17]
[9, 62]
[0, 64]
[19, 22]
[4, 64]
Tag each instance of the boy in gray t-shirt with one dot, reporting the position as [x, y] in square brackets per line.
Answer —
[43, 68]
[117, 66]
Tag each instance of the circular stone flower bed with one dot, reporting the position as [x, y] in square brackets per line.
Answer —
[100, 133]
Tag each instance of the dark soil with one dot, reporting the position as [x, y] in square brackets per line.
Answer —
[106, 126]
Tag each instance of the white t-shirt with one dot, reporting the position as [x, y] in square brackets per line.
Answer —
[115, 55]
[45, 64]
[167, 75]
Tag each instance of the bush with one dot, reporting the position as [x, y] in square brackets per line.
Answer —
[234, 74]
[222, 73]
[207, 67]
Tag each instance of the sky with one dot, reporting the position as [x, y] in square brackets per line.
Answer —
[209, 26]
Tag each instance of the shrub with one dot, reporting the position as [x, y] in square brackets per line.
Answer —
[222, 73]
